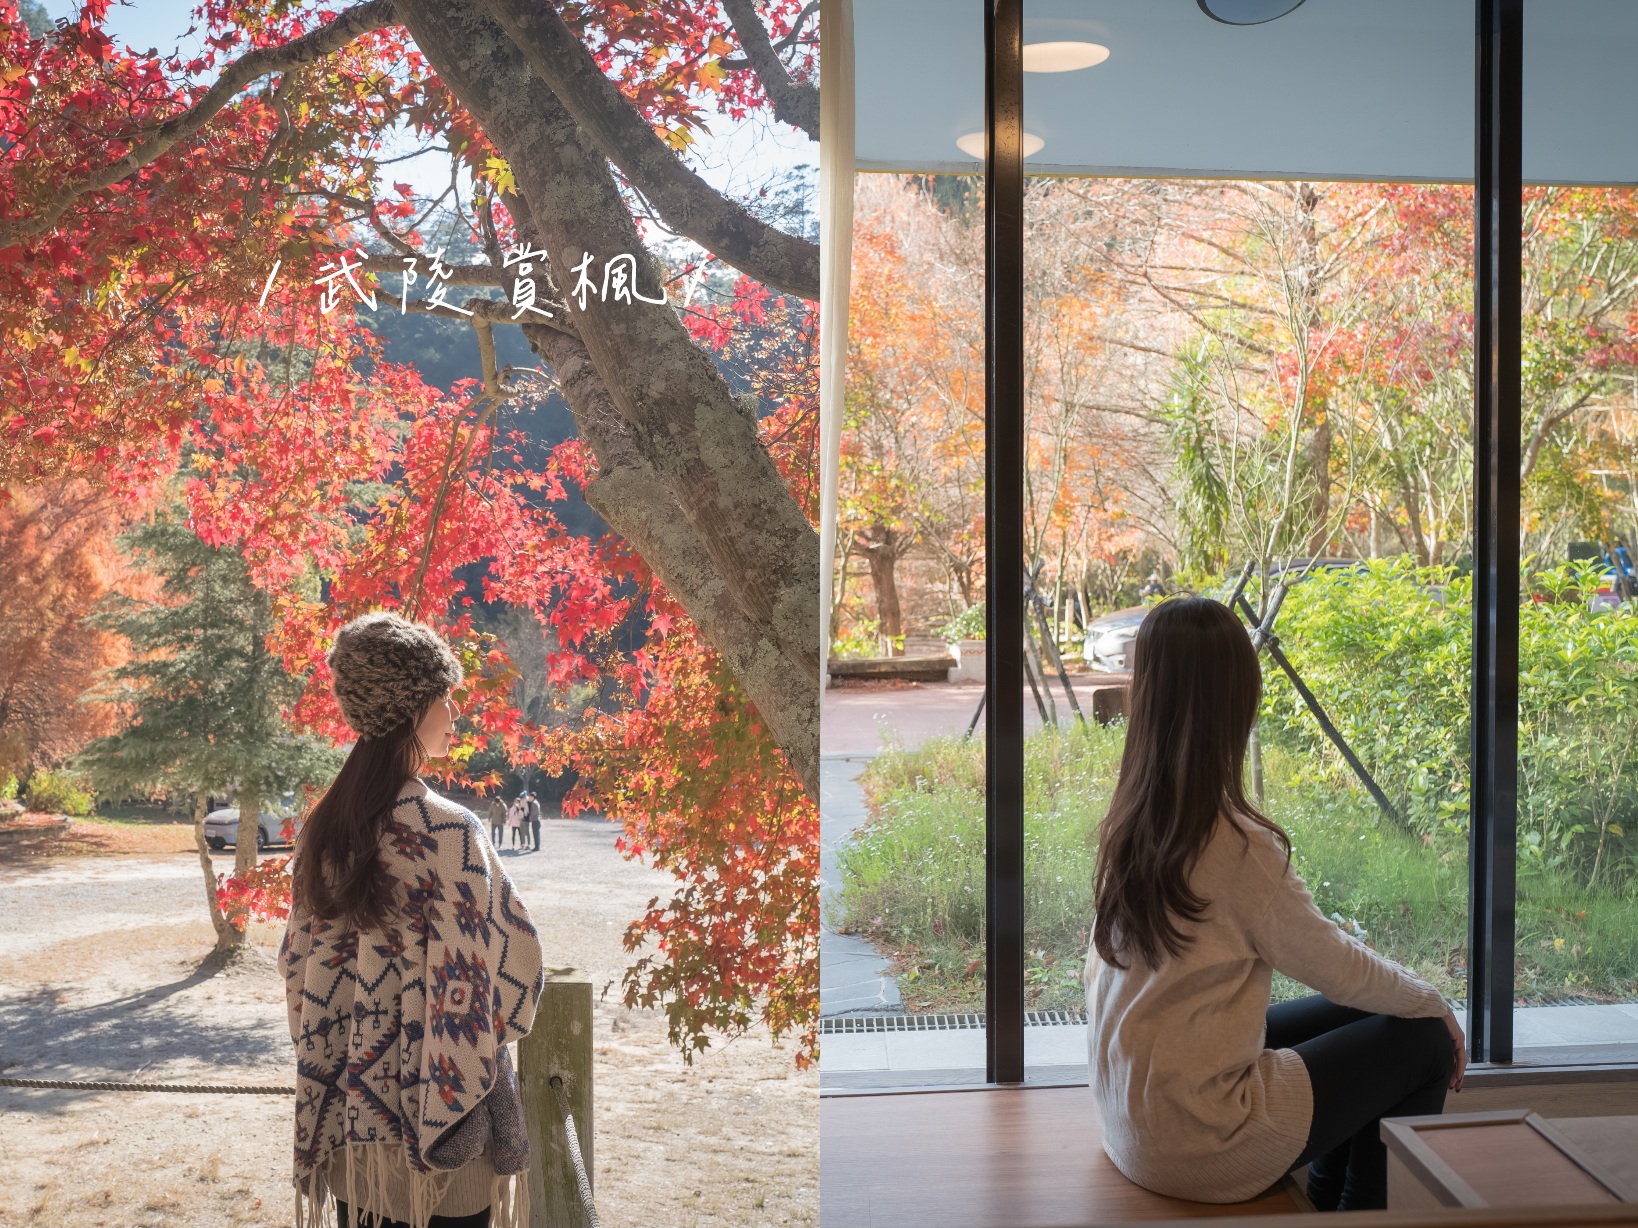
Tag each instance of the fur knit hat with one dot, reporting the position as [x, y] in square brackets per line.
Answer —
[387, 671]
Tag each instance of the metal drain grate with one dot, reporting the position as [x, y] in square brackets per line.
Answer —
[835, 1025]
[1053, 1019]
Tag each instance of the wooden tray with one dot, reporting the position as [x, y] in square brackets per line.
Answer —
[1505, 1159]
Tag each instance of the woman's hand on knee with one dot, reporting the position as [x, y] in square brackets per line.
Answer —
[1459, 1039]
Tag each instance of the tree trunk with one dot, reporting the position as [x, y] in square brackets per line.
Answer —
[250, 826]
[881, 547]
[1255, 746]
[1319, 462]
[1317, 448]
[682, 473]
[841, 594]
[226, 935]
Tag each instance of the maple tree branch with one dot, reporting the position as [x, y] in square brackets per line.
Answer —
[366, 209]
[785, 44]
[684, 201]
[494, 311]
[310, 47]
[491, 238]
[459, 274]
[486, 402]
[793, 102]
[258, 174]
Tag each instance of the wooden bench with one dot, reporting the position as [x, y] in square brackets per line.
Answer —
[907, 669]
[987, 1156]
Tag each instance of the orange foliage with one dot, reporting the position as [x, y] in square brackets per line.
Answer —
[57, 560]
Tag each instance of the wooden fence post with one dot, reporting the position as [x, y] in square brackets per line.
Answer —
[559, 1044]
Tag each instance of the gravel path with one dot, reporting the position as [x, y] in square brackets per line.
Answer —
[101, 980]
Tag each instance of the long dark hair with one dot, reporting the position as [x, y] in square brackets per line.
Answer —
[339, 875]
[1192, 701]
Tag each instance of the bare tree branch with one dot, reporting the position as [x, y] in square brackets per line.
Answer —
[793, 102]
[307, 49]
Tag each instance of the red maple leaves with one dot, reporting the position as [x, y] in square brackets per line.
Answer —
[137, 355]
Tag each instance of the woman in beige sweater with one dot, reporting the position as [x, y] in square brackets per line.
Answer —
[1205, 1090]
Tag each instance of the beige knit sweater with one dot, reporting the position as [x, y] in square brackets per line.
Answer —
[1193, 1105]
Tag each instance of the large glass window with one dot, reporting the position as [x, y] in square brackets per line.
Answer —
[1191, 338]
[903, 807]
[1259, 382]
[1249, 341]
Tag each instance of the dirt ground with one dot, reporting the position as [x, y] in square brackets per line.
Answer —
[31, 838]
[101, 954]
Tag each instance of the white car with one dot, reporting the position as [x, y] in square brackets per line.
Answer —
[1109, 639]
[222, 826]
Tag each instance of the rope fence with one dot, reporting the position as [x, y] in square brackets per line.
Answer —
[109, 1085]
[581, 1180]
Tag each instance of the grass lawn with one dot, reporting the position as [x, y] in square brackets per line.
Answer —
[913, 879]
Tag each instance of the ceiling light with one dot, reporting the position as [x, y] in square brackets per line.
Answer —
[973, 144]
[1063, 56]
[1246, 12]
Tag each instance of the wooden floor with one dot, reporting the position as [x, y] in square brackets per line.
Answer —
[1022, 1157]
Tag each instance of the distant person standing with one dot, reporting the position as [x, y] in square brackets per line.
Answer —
[1154, 586]
[514, 818]
[534, 819]
[497, 820]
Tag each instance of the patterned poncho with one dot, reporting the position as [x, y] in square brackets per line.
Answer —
[399, 1031]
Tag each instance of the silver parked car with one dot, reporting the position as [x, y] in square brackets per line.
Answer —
[222, 825]
[1109, 639]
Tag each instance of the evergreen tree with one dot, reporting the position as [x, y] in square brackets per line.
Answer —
[206, 698]
[35, 18]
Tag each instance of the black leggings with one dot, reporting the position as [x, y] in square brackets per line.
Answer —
[478, 1219]
[1363, 1068]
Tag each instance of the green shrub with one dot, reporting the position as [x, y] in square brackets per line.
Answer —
[967, 625]
[8, 787]
[1388, 651]
[58, 793]
[913, 879]
[863, 639]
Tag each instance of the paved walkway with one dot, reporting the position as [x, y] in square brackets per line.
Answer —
[853, 975]
[867, 718]
[859, 721]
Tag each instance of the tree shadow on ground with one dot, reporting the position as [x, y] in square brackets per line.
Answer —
[137, 1036]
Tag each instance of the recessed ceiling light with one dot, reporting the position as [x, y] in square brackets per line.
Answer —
[1247, 12]
[1063, 56]
[973, 144]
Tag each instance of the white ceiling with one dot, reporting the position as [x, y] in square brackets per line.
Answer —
[1338, 89]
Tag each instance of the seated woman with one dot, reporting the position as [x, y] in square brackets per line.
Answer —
[1205, 1090]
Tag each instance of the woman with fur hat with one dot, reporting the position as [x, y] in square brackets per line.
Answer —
[409, 965]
